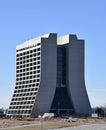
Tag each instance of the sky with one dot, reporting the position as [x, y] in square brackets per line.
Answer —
[21, 20]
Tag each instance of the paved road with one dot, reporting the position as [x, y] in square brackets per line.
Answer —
[83, 127]
[86, 127]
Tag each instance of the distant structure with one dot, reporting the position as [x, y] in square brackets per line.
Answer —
[50, 77]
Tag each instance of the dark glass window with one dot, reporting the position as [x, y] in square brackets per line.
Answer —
[61, 66]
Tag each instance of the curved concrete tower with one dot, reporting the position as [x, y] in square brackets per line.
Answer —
[50, 77]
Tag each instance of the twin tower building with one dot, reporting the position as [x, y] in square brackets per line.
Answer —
[50, 77]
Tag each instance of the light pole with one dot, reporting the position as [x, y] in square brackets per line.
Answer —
[41, 122]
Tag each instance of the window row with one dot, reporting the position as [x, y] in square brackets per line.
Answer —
[27, 81]
[27, 86]
[28, 52]
[16, 95]
[16, 98]
[22, 75]
[19, 112]
[25, 64]
[22, 103]
[28, 77]
[28, 60]
[27, 69]
[29, 57]
[26, 90]
[28, 47]
[23, 98]
[21, 107]
[28, 73]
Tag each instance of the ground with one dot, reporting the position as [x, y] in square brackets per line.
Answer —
[35, 124]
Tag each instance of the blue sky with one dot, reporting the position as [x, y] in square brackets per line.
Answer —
[21, 20]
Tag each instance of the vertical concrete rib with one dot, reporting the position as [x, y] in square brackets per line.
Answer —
[48, 74]
[75, 75]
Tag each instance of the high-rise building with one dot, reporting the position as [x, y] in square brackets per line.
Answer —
[50, 77]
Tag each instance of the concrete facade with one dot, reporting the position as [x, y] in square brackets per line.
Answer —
[75, 75]
[49, 77]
